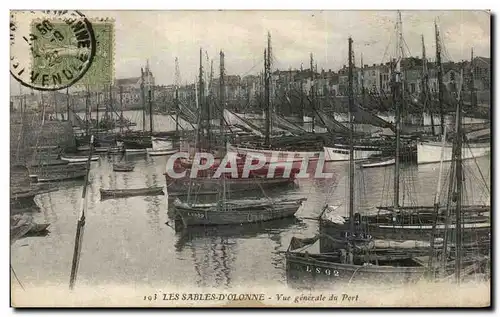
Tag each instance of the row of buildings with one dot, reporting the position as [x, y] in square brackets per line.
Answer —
[373, 78]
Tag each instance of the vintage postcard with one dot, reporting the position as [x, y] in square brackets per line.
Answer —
[250, 158]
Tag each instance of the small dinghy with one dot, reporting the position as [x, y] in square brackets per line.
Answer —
[79, 159]
[378, 163]
[123, 167]
[160, 152]
[119, 193]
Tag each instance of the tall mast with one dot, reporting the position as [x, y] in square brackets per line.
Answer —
[267, 78]
[121, 109]
[222, 121]
[201, 101]
[106, 114]
[301, 93]
[313, 93]
[143, 100]
[362, 80]
[67, 103]
[97, 110]
[472, 92]
[397, 87]
[459, 180]
[222, 93]
[150, 112]
[351, 146]
[425, 86]
[177, 84]
[439, 77]
[55, 103]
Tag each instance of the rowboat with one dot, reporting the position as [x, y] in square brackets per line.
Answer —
[233, 212]
[57, 177]
[119, 193]
[160, 152]
[79, 159]
[123, 167]
[378, 163]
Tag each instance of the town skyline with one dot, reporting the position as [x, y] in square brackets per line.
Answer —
[162, 36]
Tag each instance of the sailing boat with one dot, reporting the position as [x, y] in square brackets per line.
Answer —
[430, 152]
[139, 142]
[207, 183]
[226, 211]
[413, 222]
[355, 257]
[350, 258]
[275, 151]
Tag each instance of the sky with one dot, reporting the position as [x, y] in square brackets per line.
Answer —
[160, 36]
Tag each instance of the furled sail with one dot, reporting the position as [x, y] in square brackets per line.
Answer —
[234, 119]
[332, 125]
[286, 125]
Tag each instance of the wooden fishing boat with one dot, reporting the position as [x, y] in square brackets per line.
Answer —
[201, 184]
[430, 152]
[123, 167]
[161, 152]
[378, 163]
[58, 177]
[233, 212]
[305, 267]
[119, 193]
[79, 159]
[340, 152]
[49, 163]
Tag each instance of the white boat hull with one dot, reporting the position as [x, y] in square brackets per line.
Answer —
[341, 153]
[135, 151]
[79, 159]
[379, 163]
[430, 152]
[160, 152]
[275, 156]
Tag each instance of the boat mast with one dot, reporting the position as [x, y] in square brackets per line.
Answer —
[143, 100]
[67, 103]
[397, 101]
[267, 87]
[363, 98]
[177, 83]
[351, 146]
[301, 93]
[97, 108]
[121, 109]
[200, 98]
[222, 121]
[313, 93]
[472, 92]
[150, 112]
[425, 86]
[459, 180]
[439, 77]
[222, 94]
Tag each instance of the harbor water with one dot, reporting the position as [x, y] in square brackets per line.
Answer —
[127, 240]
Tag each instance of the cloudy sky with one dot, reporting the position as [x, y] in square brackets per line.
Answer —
[160, 36]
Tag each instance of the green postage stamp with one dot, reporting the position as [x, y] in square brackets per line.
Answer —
[53, 50]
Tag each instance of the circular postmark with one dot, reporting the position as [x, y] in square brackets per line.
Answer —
[50, 50]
